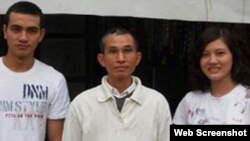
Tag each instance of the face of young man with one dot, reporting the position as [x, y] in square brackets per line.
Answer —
[216, 61]
[23, 34]
[120, 56]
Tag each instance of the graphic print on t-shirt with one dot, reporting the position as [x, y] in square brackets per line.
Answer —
[27, 110]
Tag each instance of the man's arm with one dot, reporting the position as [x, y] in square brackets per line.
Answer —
[54, 129]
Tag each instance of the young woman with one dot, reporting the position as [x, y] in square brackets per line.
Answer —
[220, 78]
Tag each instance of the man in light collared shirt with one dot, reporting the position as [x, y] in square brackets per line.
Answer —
[120, 108]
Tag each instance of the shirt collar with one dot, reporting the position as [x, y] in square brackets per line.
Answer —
[106, 93]
[116, 93]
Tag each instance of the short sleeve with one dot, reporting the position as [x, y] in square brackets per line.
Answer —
[60, 101]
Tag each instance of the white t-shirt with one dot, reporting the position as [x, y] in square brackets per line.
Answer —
[203, 108]
[28, 99]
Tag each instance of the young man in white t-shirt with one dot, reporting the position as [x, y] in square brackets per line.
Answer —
[34, 96]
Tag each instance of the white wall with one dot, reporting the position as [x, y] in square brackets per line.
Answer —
[234, 11]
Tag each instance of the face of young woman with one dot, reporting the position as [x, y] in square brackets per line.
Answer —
[216, 61]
